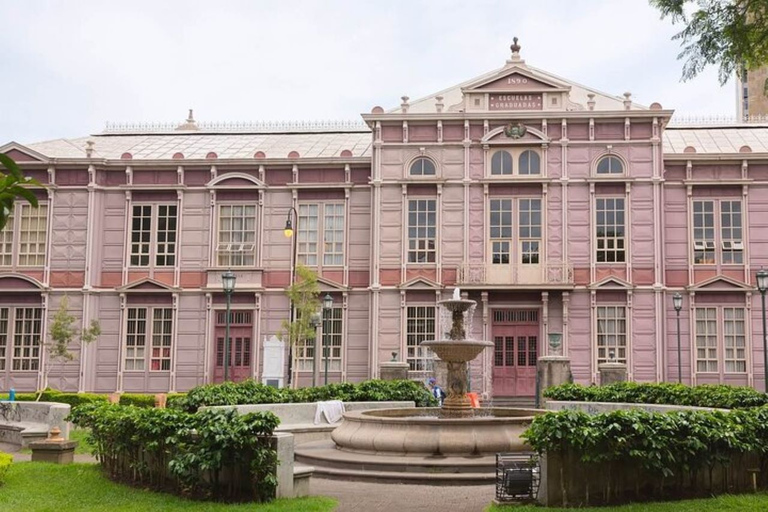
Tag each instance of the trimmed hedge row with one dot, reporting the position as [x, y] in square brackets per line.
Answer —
[217, 455]
[5, 463]
[627, 454]
[708, 395]
[75, 399]
[252, 392]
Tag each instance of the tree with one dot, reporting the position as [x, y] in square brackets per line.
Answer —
[63, 333]
[730, 33]
[304, 294]
[12, 186]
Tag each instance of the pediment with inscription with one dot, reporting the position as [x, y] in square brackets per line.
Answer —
[515, 82]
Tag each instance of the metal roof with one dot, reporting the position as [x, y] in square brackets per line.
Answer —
[716, 139]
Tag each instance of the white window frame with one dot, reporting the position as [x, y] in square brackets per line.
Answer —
[157, 334]
[726, 245]
[417, 329]
[735, 343]
[421, 162]
[14, 239]
[311, 249]
[611, 159]
[515, 163]
[236, 247]
[603, 347]
[333, 334]
[157, 247]
[706, 354]
[422, 246]
[732, 235]
[614, 241]
[18, 347]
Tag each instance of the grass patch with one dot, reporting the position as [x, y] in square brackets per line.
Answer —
[39, 487]
[725, 503]
[75, 434]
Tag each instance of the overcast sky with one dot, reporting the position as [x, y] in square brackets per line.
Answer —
[69, 66]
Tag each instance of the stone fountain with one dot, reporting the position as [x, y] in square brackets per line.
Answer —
[456, 352]
[454, 444]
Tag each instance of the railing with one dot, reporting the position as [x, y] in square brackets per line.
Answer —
[682, 121]
[237, 127]
[544, 273]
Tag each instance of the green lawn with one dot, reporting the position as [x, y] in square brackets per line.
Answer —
[40, 487]
[741, 503]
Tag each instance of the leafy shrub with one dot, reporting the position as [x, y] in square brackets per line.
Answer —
[252, 392]
[654, 447]
[5, 463]
[211, 454]
[137, 399]
[708, 395]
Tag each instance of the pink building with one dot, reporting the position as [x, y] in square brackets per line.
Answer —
[563, 211]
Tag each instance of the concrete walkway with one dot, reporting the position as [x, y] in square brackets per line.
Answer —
[374, 497]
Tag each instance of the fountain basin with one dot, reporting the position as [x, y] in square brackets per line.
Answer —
[421, 432]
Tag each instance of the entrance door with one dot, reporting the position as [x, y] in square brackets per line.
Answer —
[240, 345]
[515, 352]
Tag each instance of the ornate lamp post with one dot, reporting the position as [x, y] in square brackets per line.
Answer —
[762, 285]
[228, 283]
[293, 215]
[677, 301]
[327, 306]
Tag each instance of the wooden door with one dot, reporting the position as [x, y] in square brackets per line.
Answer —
[515, 352]
[240, 345]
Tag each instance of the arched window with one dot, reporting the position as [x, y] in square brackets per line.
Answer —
[501, 163]
[610, 165]
[530, 163]
[422, 167]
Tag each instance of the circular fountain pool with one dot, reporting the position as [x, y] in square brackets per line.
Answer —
[422, 432]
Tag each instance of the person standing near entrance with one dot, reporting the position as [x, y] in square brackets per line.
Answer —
[436, 390]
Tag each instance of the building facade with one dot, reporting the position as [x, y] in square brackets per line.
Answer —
[569, 215]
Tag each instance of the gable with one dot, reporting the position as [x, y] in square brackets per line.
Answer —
[145, 285]
[515, 82]
[720, 284]
[20, 153]
[419, 283]
[18, 283]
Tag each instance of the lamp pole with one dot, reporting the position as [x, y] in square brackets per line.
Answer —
[228, 283]
[762, 285]
[327, 306]
[288, 232]
[677, 301]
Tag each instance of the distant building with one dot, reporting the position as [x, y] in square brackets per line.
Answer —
[751, 97]
[570, 215]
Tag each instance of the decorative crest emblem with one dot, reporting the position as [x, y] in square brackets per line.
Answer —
[515, 131]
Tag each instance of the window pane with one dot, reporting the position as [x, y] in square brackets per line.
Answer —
[421, 230]
[610, 230]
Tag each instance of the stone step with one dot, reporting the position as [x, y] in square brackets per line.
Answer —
[524, 402]
[330, 462]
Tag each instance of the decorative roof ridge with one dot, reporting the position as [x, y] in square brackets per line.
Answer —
[237, 127]
[709, 121]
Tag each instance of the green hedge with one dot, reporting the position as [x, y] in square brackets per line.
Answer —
[5, 463]
[217, 455]
[75, 399]
[717, 396]
[682, 449]
[251, 392]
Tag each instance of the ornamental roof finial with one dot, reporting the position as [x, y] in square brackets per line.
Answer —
[189, 124]
[515, 47]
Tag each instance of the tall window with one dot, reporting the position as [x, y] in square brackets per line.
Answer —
[530, 163]
[420, 326]
[734, 340]
[501, 163]
[26, 231]
[237, 235]
[27, 330]
[325, 218]
[332, 338]
[422, 167]
[704, 232]
[153, 234]
[530, 230]
[140, 329]
[501, 231]
[610, 165]
[706, 339]
[422, 230]
[730, 232]
[610, 230]
[611, 334]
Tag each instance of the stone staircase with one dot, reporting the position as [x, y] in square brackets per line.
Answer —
[524, 402]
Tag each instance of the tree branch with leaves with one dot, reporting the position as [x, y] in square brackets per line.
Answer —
[13, 185]
[63, 332]
[732, 34]
[304, 294]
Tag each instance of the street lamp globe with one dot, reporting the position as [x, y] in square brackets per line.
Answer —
[677, 301]
[327, 301]
[228, 281]
[762, 280]
[288, 230]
